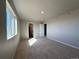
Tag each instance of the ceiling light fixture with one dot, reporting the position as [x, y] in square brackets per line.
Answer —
[42, 12]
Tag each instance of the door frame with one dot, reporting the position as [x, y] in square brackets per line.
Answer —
[30, 30]
[45, 30]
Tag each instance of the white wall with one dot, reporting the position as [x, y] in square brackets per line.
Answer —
[65, 28]
[7, 47]
[25, 29]
[41, 30]
[36, 29]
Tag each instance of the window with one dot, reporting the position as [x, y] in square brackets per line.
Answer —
[11, 22]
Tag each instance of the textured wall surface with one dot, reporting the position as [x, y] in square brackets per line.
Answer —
[25, 29]
[7, 47]
[65, 28]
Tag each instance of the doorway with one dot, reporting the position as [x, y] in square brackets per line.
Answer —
[45, 29]
[30, 30]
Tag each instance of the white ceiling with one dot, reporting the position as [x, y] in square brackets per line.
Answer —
[31, 9]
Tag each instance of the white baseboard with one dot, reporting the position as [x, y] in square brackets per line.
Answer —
[65, 44]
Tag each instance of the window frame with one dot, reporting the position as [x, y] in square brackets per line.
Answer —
[11, 22]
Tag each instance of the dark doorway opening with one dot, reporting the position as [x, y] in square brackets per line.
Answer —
[45, 29]
[30, 30]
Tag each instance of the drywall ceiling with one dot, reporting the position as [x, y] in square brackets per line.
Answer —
[31, 9]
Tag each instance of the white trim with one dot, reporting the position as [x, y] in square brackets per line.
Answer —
[8, 6]
[65, 44]
[11, 37]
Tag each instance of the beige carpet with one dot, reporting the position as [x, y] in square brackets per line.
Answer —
[44, 48]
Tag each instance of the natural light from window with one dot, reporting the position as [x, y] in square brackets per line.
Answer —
[32, 41]
[11, 21]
